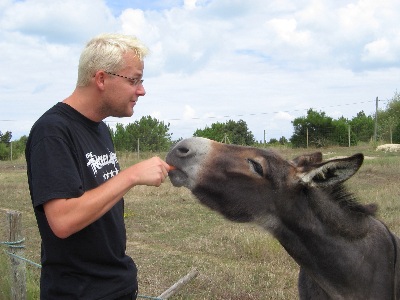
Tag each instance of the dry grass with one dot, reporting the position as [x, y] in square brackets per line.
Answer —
[169, 233]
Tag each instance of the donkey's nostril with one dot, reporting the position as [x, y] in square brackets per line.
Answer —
[183, 150]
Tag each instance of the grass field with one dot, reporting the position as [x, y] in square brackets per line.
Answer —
[170, 233]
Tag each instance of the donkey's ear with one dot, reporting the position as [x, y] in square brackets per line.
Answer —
[307, 159]
[332, 172]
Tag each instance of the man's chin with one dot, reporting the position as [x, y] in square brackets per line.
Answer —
[129, 112]
[126, 114]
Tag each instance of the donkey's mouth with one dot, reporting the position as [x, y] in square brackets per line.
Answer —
[178, 177]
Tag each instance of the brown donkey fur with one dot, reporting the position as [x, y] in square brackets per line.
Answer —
[343, 251]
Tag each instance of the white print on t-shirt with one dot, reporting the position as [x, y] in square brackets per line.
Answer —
[97, 162]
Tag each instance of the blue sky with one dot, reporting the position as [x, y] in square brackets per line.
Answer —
[265, 62]
[118, 6]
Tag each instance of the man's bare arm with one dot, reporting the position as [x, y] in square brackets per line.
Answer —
[68, 216]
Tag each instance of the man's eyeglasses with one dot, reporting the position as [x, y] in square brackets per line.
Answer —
[134, 81]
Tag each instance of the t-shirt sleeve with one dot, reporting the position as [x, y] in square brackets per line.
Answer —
[54, 171]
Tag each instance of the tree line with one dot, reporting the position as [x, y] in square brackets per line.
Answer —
[315, 129]
[323, 130]
[11, 149]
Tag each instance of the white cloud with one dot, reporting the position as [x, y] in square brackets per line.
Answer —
[156, 114]
[265, 62]
[381, 51]
[288, 33]
[189, 4]
[133, 21]
[59, 21]
[281, 115]
[189, 113]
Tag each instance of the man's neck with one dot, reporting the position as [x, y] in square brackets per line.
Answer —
[81, 100]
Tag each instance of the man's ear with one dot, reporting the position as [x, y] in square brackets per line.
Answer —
[331, 172]
[99, 78]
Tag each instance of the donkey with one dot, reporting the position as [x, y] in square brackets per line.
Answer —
[343, 251]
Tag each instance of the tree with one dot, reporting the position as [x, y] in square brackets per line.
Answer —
[122, 140]
[237, 132]
[6, 137]
[5, 145]
[8, 147]
[4, 152]
[340, 133]
[389, 118]
[396, 134]
[19, 146]
[152, 134]
[318, 126]
[283, 140]
[363, 127]
[273, 141]
[216, 132]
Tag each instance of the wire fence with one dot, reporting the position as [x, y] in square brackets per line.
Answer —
[13, 242]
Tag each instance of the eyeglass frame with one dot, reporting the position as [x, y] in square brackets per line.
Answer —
[135, 81]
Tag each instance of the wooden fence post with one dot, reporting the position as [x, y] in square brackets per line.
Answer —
[307, 137]
[14, 241]
[179, 284]
[349, 135]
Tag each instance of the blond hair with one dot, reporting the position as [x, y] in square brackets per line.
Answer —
[105, 52]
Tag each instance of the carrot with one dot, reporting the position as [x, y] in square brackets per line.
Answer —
[171, 168]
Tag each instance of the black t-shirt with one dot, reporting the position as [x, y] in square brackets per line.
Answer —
[68, 154]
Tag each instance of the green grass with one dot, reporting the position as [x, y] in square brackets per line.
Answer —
[170, 233]
[5, 292]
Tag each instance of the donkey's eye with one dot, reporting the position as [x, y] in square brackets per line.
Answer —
[256, 167]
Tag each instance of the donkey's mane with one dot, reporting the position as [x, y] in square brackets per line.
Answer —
[348, 201]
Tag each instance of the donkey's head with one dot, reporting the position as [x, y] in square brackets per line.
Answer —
[244, 183]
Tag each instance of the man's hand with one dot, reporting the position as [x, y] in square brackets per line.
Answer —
[67, 216]
[150, 172]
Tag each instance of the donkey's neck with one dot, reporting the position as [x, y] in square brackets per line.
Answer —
[324, 212]
[314, 233]
[318, 218]
[328, 241]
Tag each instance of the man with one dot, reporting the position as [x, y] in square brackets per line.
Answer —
[75, 181]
